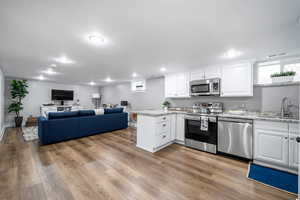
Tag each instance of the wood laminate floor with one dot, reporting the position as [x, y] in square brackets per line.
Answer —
[109, 166]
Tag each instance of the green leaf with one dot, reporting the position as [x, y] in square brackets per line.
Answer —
[288, 73]
[18, 92]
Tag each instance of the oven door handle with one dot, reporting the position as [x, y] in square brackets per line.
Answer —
[192, 118]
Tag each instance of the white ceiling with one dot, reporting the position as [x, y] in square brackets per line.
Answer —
[143, 35]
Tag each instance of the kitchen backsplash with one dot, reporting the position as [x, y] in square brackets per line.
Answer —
[264, 99]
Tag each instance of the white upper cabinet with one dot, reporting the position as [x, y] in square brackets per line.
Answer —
[237, 80]
[212, 72]
[206, 73]
[170, 85]
[197, 75]
[177, 85]
[182, 84]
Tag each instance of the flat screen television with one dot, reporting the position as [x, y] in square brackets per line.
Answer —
[62, 95]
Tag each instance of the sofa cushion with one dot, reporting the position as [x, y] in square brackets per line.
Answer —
[62, 115]
[86, 113]
[113, 110]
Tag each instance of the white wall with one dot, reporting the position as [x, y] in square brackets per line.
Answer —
[40, 93]
[152, 98]
[1, 103]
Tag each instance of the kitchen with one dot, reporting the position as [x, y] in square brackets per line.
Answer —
[213, 125]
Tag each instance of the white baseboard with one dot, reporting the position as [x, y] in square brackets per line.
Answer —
[179, 142]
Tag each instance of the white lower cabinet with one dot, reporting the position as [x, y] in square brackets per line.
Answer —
[180, 126]
[173, 126]
[154, 132]
[293, 153]
[271, 147]
[275, 144]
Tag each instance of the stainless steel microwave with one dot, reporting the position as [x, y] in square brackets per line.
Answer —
[207, 87]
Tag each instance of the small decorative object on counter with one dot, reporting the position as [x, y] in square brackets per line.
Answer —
[166, 105]
[283, 77]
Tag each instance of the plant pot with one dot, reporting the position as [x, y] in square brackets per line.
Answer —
[282, 79]
[18, 121]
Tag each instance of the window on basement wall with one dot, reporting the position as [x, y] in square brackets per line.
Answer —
[292, 67]
[266, 69]
[264, 73]
[138, 86]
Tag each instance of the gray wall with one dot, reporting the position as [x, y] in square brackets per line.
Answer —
[152, 98]
[264, 98]
[40, 93]
[1, 103]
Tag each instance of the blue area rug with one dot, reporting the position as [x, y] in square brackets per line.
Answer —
[276, 178]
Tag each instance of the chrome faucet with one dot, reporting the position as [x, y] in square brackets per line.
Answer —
[285, 112]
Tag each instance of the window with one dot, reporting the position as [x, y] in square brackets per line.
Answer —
[138, 86]
[266, 69]
[264, 73]
[292, 67]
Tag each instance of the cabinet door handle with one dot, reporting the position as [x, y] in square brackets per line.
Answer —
[164, 136]
[285, 138]
[164, 125]
[164, 118]
[298, 139]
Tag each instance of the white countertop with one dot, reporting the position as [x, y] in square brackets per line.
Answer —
[249, 115]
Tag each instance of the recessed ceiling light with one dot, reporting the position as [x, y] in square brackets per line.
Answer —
[134, 74]
[108, 79]
[64, 60]
[41, 77]
[53, 65]
[232, 53]
[163, 69]
[50, 71]
[96, 39]
[92, 83]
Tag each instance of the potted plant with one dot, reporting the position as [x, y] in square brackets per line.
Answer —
[166, 105]
[283, 77]
[18, 93]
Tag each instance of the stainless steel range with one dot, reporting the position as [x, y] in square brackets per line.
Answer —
[201, 126]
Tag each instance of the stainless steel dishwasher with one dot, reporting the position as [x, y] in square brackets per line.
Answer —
[235, 136]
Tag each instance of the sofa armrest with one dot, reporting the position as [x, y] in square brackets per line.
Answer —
[42, 127]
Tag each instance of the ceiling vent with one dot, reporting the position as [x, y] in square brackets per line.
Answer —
[272, 56]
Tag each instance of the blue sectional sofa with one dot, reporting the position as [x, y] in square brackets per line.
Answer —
[61, 126]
